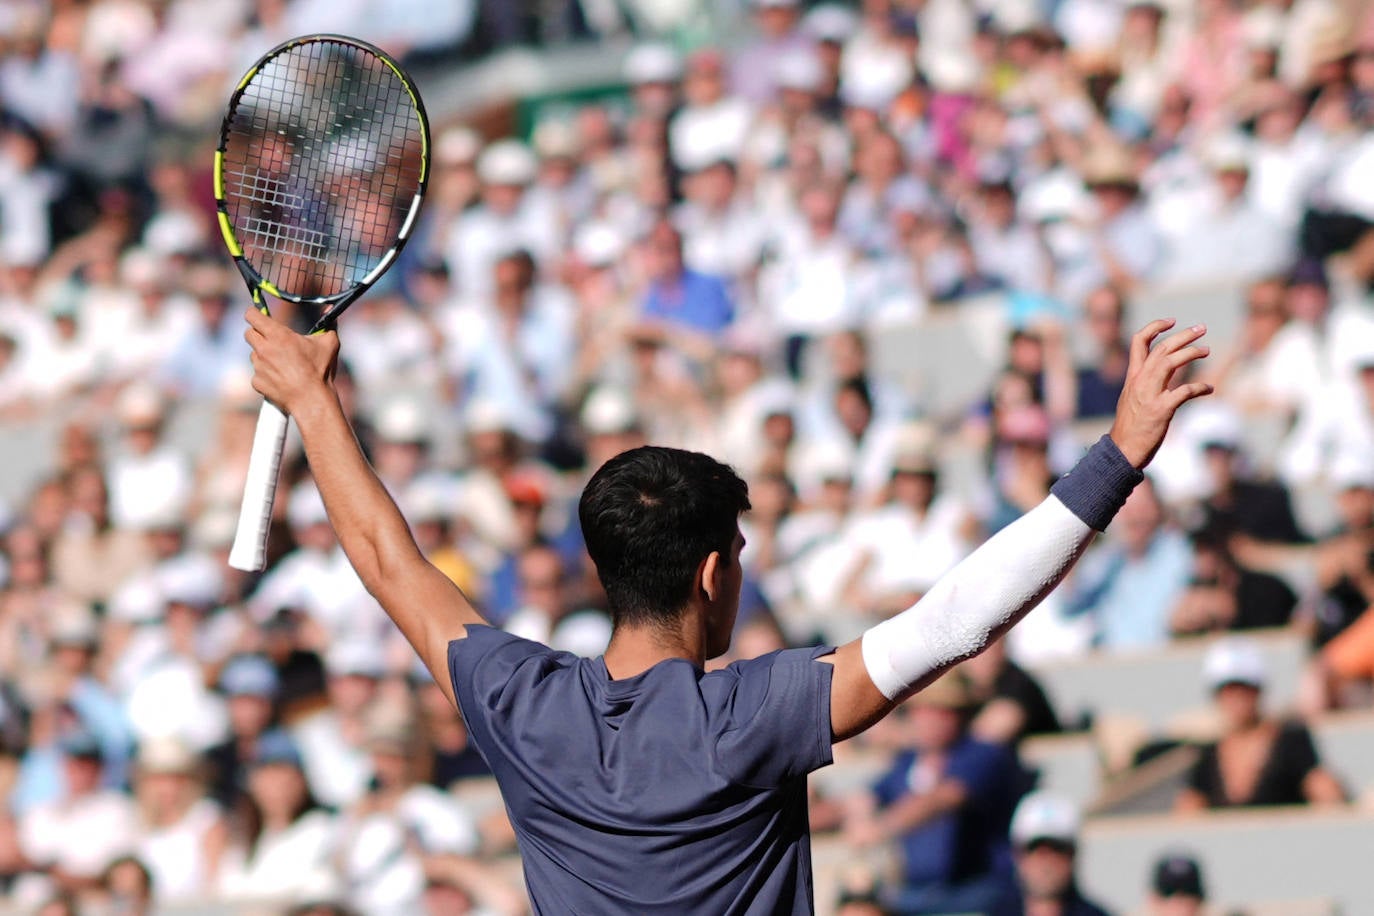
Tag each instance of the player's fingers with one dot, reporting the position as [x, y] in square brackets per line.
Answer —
[1184, 393]
[1175, 342]
[1179, 358]
[257, 320]
[1140, 342]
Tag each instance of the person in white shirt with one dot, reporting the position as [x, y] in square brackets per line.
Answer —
[506, 220]
[331, 740]
[720, 232]
[1004, 247]
[148, 474]
[181, 832]
[709, 111]
[85, 830]
[386, 838]
[281, 838]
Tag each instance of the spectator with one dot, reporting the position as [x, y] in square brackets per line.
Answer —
[947, 802]
[1130, 582]
[280, 837]
[250, 685]
[686, 302]
[1268, 762]
[1221, 595]
[181, 831]
[547, 614]
[1013, 704]
[1044, 832]
[1176, 888]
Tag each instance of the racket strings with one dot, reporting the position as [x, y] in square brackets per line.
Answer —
[323, 158]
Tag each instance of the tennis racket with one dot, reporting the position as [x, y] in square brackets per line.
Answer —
[319, 176]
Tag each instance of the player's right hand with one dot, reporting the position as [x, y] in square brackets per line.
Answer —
[1151, 396]
[289, 368]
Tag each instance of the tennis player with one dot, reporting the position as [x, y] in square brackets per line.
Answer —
[637, 782]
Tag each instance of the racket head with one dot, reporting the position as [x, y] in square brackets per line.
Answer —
[320, 171]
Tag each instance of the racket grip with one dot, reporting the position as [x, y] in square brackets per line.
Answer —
[249, 552]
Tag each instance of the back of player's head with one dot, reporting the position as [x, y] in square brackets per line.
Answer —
[649, 517]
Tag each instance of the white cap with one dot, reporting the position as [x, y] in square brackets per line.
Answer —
[1213, 423]
[799, 69]
[823, 460]
[607, 411]
[427, 500]
[140, 267]
[1227, 152]
[1043, 815]
[356, 657]
[830, 22]
[598, 244]
[875, 85]
[402, 420]
[73, 623]
[195, 579]
[166, 754]
[652, 63]
[1059, 197]
[507, 162]
[1263, 28]
[305, 506]
[138, 600]
[953, 72]
[458, 145]
[1013, 16]
[486, 415]
[215, 528]
[140, 403]
[1234, 660]
[174, 232]
[1351, 469]
[556, 139]
[703, 144]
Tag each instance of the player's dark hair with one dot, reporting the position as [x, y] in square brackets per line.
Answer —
[649, 517]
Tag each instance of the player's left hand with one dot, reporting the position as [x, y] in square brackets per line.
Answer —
[1151, 396]
[289, 368]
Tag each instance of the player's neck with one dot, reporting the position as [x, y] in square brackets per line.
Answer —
[635, 649]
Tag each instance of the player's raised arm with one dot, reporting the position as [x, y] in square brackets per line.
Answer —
[1000, 582]
[296, 373]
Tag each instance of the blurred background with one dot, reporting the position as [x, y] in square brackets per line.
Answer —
[883, 258]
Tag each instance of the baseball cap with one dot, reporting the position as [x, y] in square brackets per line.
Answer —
[166, 754]
[249, 676]
[507, 162]
[305, 506]
[457, 146]
[1234, 661]
[830, 23]
[355, 657]
[1043, 816]
[652, 63]
[607, 411]
[275, 746]
[80, 742]
[598, 244]
[1178, 875]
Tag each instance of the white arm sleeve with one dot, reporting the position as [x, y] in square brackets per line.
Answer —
[993, 588]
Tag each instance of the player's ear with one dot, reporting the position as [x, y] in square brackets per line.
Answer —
[708, 576]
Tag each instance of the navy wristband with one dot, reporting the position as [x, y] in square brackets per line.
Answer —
[1098, 485]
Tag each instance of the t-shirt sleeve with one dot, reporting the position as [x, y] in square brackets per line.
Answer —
[776, 718]
[483, 666]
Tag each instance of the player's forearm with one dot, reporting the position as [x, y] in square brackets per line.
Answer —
[365, 518]
[1003, 580]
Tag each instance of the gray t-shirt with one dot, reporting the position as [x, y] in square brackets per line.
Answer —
[669, 792]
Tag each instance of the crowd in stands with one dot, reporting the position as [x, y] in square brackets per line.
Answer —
[709, 261]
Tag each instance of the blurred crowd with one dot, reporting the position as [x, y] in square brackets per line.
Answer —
[710, 261]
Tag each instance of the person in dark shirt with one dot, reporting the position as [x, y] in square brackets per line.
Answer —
[1221, 595]
[249, 684]
[946, 803]
[1257, 760]
[1044, 832]
[1013, 705]
[637, 781]
[1257, 509]
[1100, 381]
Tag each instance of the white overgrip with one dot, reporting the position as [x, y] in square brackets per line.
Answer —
[249, 552]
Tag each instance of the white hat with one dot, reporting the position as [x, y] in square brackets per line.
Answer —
[875, 85]
[73, 623]
[140, 267]
[652, 63]
[140, 403]
[607, 411]
[174, 232]
[703, 144]
[830, 23]
[556, 139]
[486, 415]
[459, 145]
[166, 754]
[138, 600]
[1214, 423]
[952, 72]
[355, 657]
[402, 420]
[1059, 197]
[1227, 152]
[215, 528]
[507, 162]
[1234, 660]
[823, 460]
[1013, 16]
[1351, 469]
[598, 244]
[1043, 815]
[426, 501]
[799, 69]
[305, 506]
[195, 579]
[1263, 28]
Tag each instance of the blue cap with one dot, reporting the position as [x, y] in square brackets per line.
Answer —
[249, 675]
[276, 746]
[80, 743]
